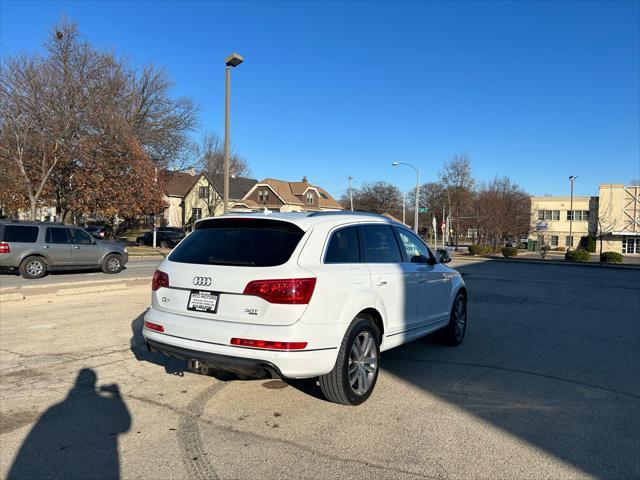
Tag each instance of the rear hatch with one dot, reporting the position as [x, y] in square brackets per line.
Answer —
[236, 270]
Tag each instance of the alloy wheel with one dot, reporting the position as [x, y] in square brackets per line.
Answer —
[363, 362]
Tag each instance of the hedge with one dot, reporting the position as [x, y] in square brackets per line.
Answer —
[611, 257]
[509, 252]
[479, 249]
[577, 256]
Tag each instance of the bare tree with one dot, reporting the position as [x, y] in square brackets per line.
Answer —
[210, 161]
[26, 140]
[458, 183]
[377, 197]
[54, 105]
[503, 210]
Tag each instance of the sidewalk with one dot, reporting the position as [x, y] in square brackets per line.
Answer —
[553, 258]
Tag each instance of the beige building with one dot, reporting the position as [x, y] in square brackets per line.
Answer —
[613, 217]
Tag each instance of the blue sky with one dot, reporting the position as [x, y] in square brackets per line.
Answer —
[537, 91]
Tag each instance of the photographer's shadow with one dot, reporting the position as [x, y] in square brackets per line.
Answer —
[139, 349]
[77, 438]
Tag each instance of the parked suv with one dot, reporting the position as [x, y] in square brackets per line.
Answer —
[35, 248]
[302, 295]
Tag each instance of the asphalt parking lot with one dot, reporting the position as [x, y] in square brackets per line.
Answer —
[546, 385]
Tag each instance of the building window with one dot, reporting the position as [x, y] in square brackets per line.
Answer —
[196, 214]
[554, 240]
[203, 192]
[263, 196]
[578, 215]
[630, 244]
[309, 198]
[568, 241]
[548, 214]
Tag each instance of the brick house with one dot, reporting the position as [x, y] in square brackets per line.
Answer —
[283, 196]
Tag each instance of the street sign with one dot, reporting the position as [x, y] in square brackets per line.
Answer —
[422, 210]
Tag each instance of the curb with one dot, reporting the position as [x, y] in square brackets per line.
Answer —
[550, 262]
[42, 290]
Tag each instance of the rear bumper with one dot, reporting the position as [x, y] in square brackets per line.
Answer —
[218, 353]
[245, 366]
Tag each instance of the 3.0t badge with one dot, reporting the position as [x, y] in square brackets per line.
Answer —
[202, 281]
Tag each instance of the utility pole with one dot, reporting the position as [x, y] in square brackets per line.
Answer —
[232, 60]
[350, 191]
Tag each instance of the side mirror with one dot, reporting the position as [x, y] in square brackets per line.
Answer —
[419, 259]
[443, 255]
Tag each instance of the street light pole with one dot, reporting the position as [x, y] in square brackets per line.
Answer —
[571, 179]
[415, 220]
[232, 60]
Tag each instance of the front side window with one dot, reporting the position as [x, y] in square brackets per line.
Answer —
[415, 250]
[20, 233]
[80, 237]
[343, 246]
[240, 242]
[380, 244]
[57, 235]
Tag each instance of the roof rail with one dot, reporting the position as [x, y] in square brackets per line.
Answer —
[344, 212]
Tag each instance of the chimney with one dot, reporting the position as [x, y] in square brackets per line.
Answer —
[304, 179]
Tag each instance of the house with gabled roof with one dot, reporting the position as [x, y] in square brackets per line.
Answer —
[284, 196]
[190, 196]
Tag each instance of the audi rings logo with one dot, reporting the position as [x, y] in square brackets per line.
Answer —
[202, 281]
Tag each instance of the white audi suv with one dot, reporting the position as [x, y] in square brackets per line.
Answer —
[301, 295]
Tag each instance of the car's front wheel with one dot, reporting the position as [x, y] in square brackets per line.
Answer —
[453, 333]
[33, 267]
[112, 263]
[355, 373]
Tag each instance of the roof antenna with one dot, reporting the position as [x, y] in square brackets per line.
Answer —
[266, 211]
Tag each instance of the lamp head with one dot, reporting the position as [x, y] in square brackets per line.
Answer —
[395, 164]
[233, 60]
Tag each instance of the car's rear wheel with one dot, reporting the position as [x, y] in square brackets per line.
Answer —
[112, 263]
[453, 333]
[355, 373]
[33, 267]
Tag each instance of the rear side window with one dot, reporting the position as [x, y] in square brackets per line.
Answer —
[380, 244]
[244, 242]
[343, 246]
[20, 234]
[80, 237]
[57, 235]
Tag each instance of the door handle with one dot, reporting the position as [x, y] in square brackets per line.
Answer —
[45, 246]
[381, 282]
[77, 247]
[422, 279]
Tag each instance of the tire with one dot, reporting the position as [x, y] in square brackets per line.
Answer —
[453, 333]
[164, 244]
[336, 385]
[33, 267]
[112, 264]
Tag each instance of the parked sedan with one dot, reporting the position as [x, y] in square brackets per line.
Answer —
[164, 238]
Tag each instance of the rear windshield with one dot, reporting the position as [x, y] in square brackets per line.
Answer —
[20, 234]
[244, 242]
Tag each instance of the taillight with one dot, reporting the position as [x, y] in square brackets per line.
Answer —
[160, 279]
[268, 344]
[288, 291]
[154, 326]
[4, 248]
